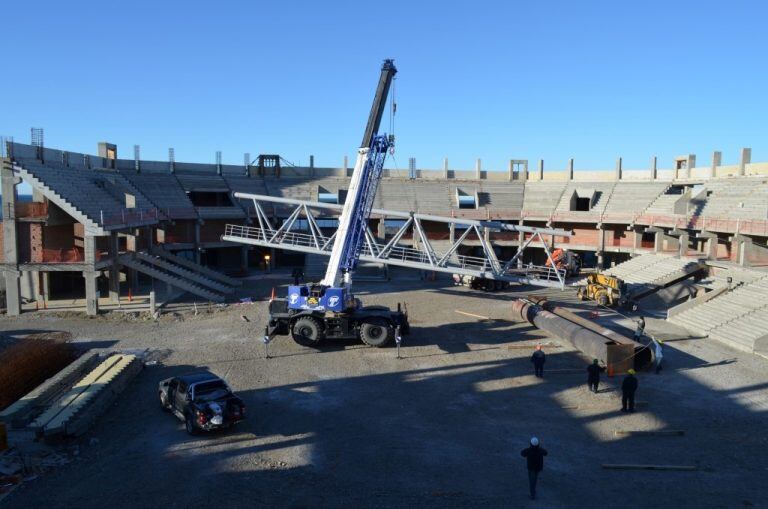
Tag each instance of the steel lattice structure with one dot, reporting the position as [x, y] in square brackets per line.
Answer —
[421, 255]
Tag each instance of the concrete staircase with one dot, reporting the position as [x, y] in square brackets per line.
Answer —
[647, 272]
[738, 318]
[59, 200]
[177, 276]
[196, 267]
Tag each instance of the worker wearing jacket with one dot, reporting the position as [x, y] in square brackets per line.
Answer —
[593, 375]
[628, 388]
[538, 359]
[534, 456]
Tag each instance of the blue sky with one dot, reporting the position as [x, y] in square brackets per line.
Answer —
[496, 80]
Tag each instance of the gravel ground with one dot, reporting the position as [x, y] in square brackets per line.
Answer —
[353, 426]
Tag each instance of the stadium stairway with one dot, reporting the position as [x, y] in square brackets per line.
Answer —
[649, 272]
[58, 199]
[178, 276]
[738, 317]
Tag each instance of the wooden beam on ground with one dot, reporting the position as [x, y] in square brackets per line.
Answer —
[481, 317]
[651, 433]
[619, 466]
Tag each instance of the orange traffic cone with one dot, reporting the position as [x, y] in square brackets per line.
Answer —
[272, 297]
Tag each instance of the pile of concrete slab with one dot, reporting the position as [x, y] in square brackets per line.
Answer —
[70, 402]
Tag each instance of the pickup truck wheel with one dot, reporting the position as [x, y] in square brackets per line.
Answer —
[189, 424]
[307, 331]
[376, 332]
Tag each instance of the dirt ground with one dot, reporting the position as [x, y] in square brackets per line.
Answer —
[353, 426]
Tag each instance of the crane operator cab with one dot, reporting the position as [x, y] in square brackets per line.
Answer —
[320, 297]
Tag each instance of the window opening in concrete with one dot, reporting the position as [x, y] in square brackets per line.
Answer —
[210, 199]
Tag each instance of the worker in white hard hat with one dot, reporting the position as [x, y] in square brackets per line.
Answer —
[534, 456]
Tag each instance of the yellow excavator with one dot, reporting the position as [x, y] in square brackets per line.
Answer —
[605, 290]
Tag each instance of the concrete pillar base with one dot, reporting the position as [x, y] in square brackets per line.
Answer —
[12, 293]
[91, 293]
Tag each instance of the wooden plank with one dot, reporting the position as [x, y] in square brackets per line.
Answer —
[650, 433]
[629, 466]
[481, 317]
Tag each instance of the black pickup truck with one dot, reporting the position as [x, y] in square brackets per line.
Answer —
[203, 401]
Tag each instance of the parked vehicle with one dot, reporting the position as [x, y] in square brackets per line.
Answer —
[203, 401]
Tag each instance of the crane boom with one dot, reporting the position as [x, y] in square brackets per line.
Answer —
[362, 189]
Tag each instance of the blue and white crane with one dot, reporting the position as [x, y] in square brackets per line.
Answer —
[311, 313]
[329, 309]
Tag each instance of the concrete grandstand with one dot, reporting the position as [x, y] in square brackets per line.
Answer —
[97, 219]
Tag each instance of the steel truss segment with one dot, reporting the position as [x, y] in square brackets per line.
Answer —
[421, 256]
[398, 214]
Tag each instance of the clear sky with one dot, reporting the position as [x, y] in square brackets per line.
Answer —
[495, 80]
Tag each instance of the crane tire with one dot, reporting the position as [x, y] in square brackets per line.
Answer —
[377, 332]
[307, 331]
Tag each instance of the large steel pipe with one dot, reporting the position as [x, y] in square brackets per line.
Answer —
[618, 356]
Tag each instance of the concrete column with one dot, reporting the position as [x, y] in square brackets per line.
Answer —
[745, 159]
[381, 228]
[46, 282]
[717, 158]
[91, 293]
[478, 169]
[682, 244]
[658, 244]
[244, 259]
[600, 248]
[10, 243]
[346, 166]
[511, 171]
[654, 171]
[570, 169]
[37, 289]
[524, 176]
[637, 240]
[690, 164]
[445, 167]
[311, 166]
[90, 275]
[712, 248]
[197, 242]
[114, 269]
[618, 168]
[452, 232]
[152, 302]
[540, 169]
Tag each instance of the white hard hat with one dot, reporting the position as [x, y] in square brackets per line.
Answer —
[534, 441]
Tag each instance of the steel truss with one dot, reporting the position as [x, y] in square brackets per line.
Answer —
[420, 255]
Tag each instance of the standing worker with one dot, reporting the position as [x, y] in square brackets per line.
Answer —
[640, 329]
[628, 388]
[593, 375]
[658, 353]
[534, 456]
[538, 359]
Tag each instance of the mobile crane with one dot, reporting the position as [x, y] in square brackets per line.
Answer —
[329, 309]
